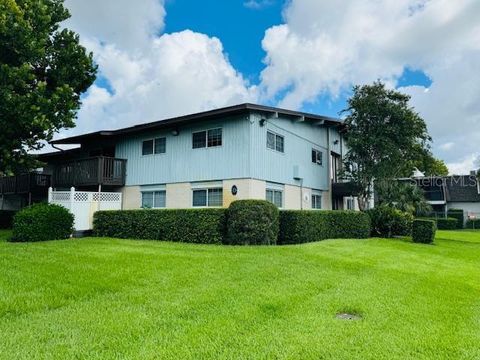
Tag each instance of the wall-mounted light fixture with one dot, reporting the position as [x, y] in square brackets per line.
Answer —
[335, 142]
[262, 122]
[175, 132]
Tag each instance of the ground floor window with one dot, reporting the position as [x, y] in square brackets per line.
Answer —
[154, 199]
[350, 203]
[275, 197]
[316, 201]
[208, 197]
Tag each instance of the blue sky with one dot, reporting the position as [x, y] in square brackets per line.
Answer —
[241, 29]
[162, 58]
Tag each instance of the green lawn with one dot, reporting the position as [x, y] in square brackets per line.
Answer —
[116, 299]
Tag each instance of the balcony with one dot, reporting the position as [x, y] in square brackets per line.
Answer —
[342, 188]
[33, 183]
[93, 171]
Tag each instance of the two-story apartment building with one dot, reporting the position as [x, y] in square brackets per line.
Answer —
[210, 159]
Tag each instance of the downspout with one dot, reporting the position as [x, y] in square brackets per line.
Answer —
[62, 151]
[301, 194]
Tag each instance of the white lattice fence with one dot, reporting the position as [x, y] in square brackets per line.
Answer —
[83, 204]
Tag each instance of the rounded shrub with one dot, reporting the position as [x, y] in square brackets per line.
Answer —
[42, 222]
[388, 222]
[423, 231]
[252, 222]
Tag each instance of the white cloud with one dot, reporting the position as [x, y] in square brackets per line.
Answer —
[151, 76]
[126, 24]
[467, 164]
[325, 47]
[447, 146]
[257, 4]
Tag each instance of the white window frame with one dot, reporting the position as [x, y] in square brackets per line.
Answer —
[153, 146]
[316, 195]
[275, 142]
[206, 131]
[207, 190]
[153, 198]
[350, 200]
[274, 191]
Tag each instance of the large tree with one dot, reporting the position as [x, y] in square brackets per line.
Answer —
[384, 135]
[43, 72]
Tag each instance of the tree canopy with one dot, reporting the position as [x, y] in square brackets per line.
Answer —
[43, 72]
[384, 135]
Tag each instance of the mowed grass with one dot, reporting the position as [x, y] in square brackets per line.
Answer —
[98, 298]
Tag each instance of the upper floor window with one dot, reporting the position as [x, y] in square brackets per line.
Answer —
[275, 141]
[316, 201]
[154, 146]
[208, 197]
[317, 157]
[154, 199]
[275, 197]
[207, 138]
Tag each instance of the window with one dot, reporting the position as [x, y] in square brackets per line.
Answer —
[154, 146]
[154, 199]
[275, 142]
[317, 157]
[275, 197]
[350, 204]
[208, 138]
[316, 201]
[208, 197]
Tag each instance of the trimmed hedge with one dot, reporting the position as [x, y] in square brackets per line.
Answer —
[388, 222]
[423, 231]
[457, 214]
[42, 222]
[473, 224]
[444, 223]
[301, 226]
[6, 219]
[252, 222]
[205, 226]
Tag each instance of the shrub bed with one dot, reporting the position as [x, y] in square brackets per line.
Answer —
[423, 231]
[473, 224]
[42, 222]
[388, 222]
[301, 226]
[205, 226]
[6, 219]
[457, 214]
[252, 222]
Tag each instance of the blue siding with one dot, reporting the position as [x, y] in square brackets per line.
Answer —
[243, 154]
[181, 163]
[300, 138]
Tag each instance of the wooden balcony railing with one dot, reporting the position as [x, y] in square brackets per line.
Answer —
[99, 170]
[24, 184]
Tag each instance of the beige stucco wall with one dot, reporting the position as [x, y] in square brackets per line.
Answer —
[179, 196]
[131, 197]
[246, 189]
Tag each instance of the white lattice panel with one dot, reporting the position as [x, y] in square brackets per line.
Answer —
[83, 204]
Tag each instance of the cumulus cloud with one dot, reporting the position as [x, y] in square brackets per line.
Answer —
[150, 75]
[325, 47]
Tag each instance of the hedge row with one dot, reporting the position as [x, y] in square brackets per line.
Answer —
[457, 214]
[444, 223]
[423, 231]
[6, 219]
[473, 224]
[205, 226]
[246, 222]
[300, 226]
